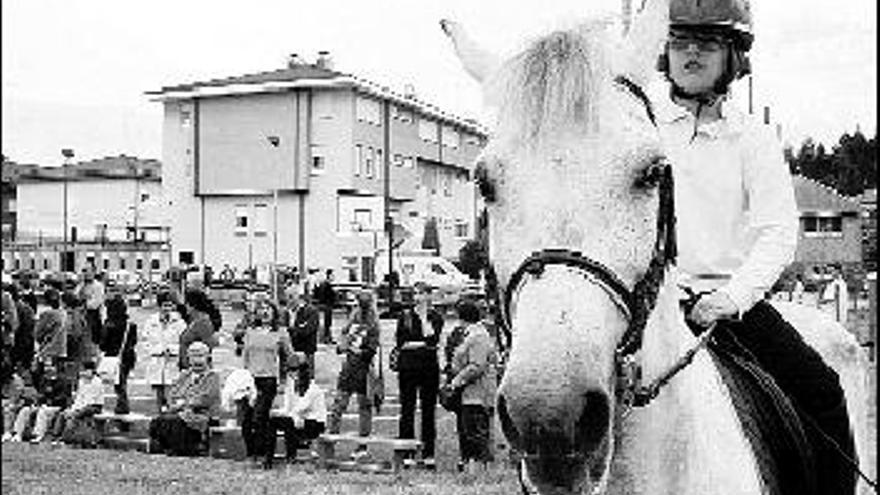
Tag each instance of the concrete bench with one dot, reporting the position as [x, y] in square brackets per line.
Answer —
[402, 448]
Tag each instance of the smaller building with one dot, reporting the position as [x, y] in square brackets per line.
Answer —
[113, 209]
[868, 202]
[830, 231]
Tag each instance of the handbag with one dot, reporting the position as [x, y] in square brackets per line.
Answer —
[450, 398]
[109, 366]
[393, 359]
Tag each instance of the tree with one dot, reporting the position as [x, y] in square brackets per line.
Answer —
[472, 257]
[431, 238]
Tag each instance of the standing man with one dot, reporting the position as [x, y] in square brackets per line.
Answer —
[325, 296]
[835, 293]
[301, 320]
[91, 290]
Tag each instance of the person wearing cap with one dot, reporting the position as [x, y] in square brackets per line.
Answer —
[193, 404]
[737, 222]
[162, 333]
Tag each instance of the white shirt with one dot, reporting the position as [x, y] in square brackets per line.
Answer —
[89, 392]
[312, 405]
[734, 202]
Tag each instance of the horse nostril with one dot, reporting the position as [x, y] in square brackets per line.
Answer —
[592, 427]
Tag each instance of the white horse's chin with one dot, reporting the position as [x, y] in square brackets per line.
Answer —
[594, 478]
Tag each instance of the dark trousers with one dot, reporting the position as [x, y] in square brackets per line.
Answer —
[93, 323]
[424, 384]
[295, 438]
[121, 390]
[171, 435]
[256, 428]
[326, 336]
[473, 423]
[812, 386]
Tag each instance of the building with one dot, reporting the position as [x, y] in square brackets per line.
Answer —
[8, 199]
[302, 166]
[830, 229]
[114, 213]
[868, 202]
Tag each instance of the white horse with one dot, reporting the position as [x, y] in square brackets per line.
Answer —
[568, 161]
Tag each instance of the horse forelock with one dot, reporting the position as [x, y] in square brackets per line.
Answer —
[554, 86]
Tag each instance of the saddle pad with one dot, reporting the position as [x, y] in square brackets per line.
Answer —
[769, 421]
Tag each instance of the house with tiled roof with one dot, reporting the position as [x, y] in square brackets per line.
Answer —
[830, 229]
[311, 167]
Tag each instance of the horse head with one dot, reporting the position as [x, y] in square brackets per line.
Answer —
[570, 169]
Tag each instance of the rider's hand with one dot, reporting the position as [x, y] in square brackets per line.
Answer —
[713, 307]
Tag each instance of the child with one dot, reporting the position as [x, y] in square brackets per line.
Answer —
[88, 401]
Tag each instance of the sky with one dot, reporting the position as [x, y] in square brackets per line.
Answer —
[74, 72]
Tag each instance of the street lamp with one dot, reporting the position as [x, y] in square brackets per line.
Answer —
[275, 142]
[68, 154]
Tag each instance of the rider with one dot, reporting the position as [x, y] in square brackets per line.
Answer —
[737, 219]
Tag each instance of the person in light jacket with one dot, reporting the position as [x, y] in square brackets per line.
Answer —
[304, 412]
[473, 368]
[162, 337]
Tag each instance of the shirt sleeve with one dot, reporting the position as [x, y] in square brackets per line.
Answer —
[772, 218]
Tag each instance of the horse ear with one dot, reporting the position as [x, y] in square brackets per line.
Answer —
[643, 42]
[477, 61]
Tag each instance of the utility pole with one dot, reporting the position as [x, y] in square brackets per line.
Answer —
[386, 176]
[68, 154]
[275, 142]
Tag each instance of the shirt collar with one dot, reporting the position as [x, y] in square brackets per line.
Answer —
[731, 122]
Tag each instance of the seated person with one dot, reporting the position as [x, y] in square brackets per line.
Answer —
[87, 402]
[36, 420]
[304, 413]
[193, 402]
[16, 394]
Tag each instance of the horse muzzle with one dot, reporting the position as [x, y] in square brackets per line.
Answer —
[565, 442]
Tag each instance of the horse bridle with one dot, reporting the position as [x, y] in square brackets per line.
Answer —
[636, 304]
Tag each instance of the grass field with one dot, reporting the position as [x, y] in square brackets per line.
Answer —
[44, 469]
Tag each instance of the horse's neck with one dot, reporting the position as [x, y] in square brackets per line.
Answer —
[688, 440]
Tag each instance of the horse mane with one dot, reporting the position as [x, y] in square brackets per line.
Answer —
[554, 84]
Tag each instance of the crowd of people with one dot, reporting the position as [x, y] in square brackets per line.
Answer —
[54, 374]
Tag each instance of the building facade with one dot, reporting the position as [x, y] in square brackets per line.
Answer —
[309, 167]
[115, 217]
[830, 230]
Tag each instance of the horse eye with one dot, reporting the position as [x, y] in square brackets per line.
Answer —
[650, 176]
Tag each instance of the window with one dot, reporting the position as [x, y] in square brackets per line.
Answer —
[261, 220]
[451, 137]
[33, 263]
[139, 264]
[154, 264]
[472, 139]
[106, 263]
[461, 229]
[122, 263]
[241, 220]
[368, 110]
[363, 219]
[185, 118]
[370, 159]
[398, 160]
[403, 114]
[358, 160]
[380, 164]
[45, 264]
[428, 130]
[435, 268]
[318, 161]
[408, 162]
[823, 226]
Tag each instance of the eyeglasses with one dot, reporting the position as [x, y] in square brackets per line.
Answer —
[682, 43]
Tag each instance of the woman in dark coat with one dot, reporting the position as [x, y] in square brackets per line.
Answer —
[418, 373]
[115, 327]
[359, 342]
